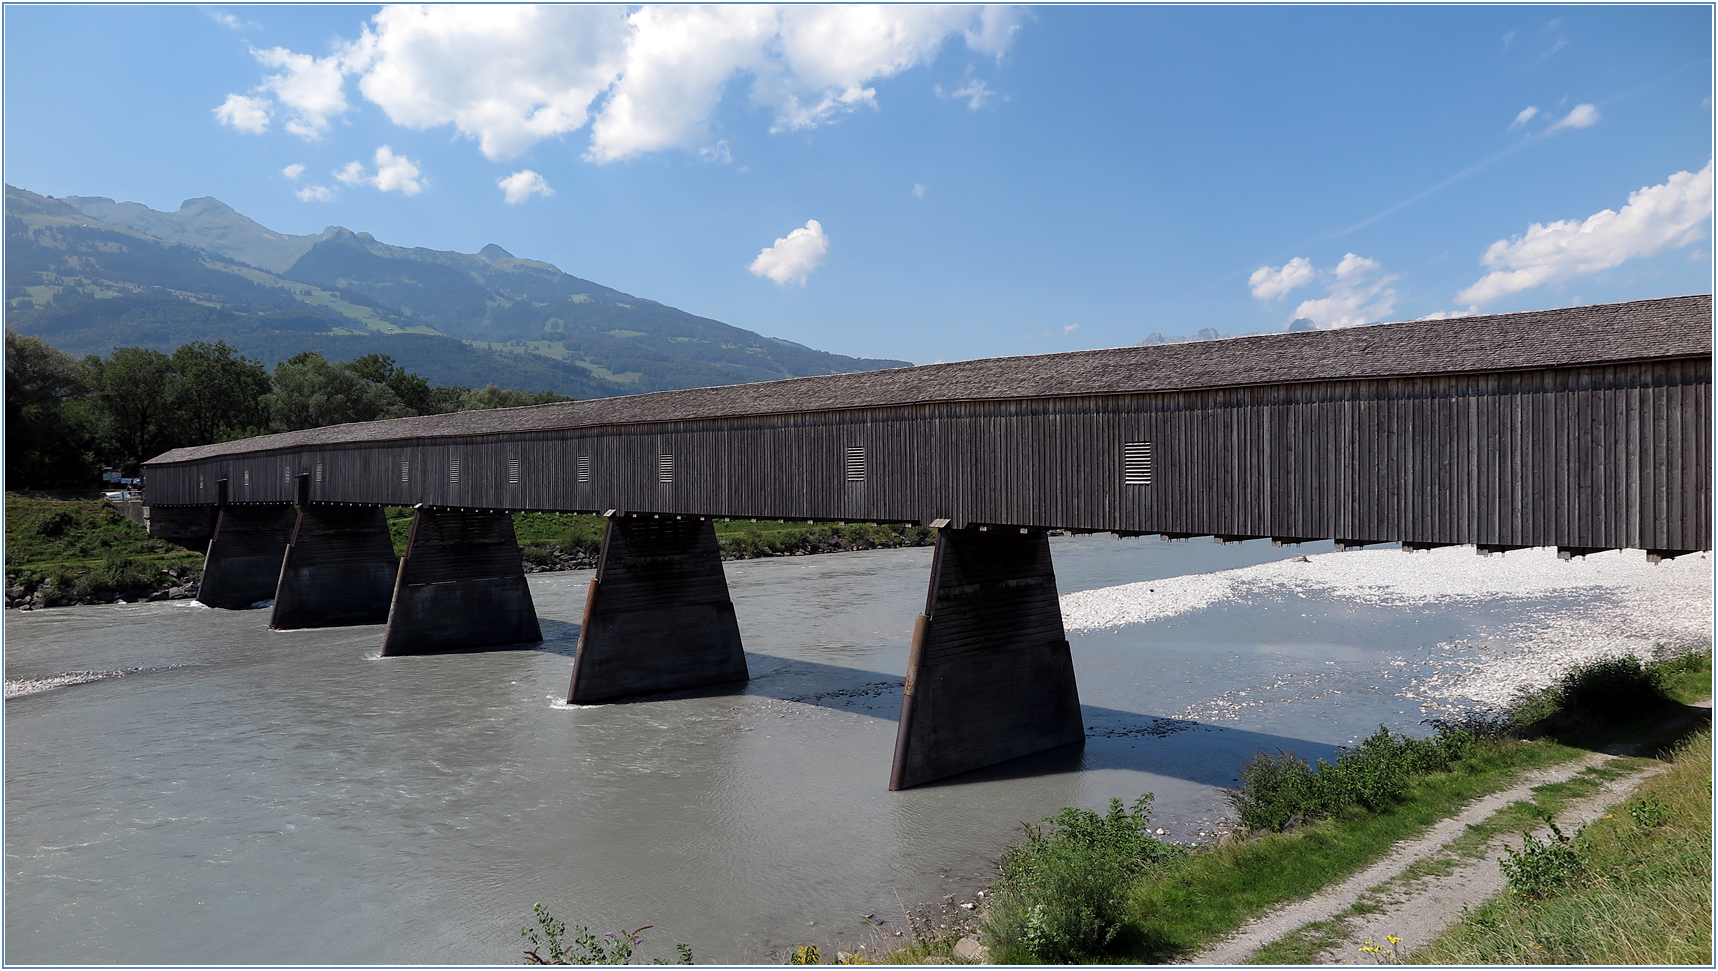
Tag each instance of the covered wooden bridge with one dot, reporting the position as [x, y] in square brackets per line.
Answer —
[1586, 428]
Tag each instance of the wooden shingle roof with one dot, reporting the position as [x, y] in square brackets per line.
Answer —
[1666, 328]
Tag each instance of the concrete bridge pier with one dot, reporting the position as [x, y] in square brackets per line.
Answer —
[243, 562]
[339, 569]
[461, 584]
[990, 677]
[658, 616]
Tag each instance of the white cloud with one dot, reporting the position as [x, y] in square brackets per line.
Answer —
[1582, 116]
[524, 184]
[393, 173]
[293, 171]
[919, 190]
[1069, 329]
[249, 115]
[313, 88]
[1449, 314]
[1359, 294]
[717, 153]
[1268, 283]
[793, 256]
[315, 193]
[1524, 116]
[1656, 218]
[225, 19]
[511, 76]
[975, 92]
[396, 172]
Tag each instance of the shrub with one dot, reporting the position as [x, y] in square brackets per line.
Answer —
[1064, 896]
[1541, 870]
[1609, 690]
[615, 947]
[1373, 775]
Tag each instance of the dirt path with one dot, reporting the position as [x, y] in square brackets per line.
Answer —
[1416, 911]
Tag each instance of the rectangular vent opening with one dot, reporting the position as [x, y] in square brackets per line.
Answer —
[405, 471]
[453, 471]
[247, 478]
[856, 464]
[584, 468]
[1136, 463]
[665, 467]
[199, 482]
[319, 471]
[288, 470]
[512, 471]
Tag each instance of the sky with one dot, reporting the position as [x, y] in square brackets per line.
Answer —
[925, 183]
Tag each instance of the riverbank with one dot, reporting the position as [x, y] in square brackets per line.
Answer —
[1386, 885]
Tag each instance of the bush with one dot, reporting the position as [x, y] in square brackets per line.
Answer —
[1541, 870]
[1609, 691]
[1064, 896]
[1374, 775]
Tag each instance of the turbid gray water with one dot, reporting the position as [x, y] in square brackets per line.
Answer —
[287, 798]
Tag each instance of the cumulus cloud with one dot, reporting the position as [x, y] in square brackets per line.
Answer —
[1581, 116]
[524, 184]
[1656, 218]
[315, 193]
[249, 115]
[717, 153]
[394, 173]
[312, 88]
[919, 190]
[793, 256]
[1524, 116]
[293, 171]
[1268, 282]
[511, 76]
[1359, 290]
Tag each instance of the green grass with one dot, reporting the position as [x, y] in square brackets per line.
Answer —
[87, 549]
[541, 535]
[1197, 900]
[1644, 894]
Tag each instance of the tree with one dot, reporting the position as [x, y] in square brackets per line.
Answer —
[493, 396]
[310, 392]
[215, 395]
[133, 392]
[412, 391]
[49, 438]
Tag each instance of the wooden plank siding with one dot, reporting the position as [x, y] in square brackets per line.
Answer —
[1600, 456]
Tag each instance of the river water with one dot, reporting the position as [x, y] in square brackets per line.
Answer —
[290, 798]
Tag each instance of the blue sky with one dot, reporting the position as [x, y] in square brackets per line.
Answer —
[946, 182]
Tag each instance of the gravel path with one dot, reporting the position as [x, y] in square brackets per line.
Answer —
[1421, 910]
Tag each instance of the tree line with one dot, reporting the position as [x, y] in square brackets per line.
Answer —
[66, 419]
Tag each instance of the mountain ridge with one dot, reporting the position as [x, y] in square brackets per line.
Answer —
[87, 284]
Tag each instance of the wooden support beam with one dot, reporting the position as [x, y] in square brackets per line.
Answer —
[990, 677]
[1413, 547]
[1355, 544]
[1659, 556]
[1486, 549]
[339, 569]
[461, 584]
[1570, 552]
[242, 566]
[658, 616]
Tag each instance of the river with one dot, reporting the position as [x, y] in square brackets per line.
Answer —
[291, 798]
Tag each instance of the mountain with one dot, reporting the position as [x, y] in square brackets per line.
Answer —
[99, 274]
[206, 223]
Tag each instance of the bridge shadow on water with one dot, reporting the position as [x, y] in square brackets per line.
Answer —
[1115, 739]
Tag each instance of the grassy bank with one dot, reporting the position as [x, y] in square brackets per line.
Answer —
[62, 552]
[1633, 888]
[1069, 896]
[569, 541]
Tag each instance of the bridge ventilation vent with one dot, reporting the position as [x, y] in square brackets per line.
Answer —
[665, 467]
[247, 478]
[453, 471]
[512, 471]
[856, 464]
[405, 471]
[288, 471]
[584, 468]
[199, 482]
[1136, 463]
[319, 471]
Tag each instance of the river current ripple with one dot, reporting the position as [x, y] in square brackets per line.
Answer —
[246, 796]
